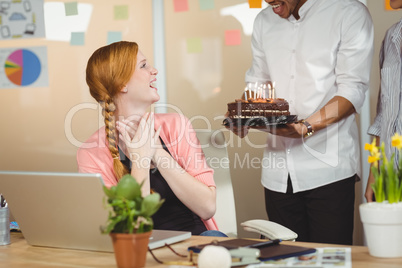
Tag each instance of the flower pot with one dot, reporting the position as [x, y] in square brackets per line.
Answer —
[382, 223]
[130, 250]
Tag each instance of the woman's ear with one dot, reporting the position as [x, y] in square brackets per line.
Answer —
[124, 89]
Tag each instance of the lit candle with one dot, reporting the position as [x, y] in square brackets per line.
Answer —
[255, 89]
[245, 92]
[263, 91]
[273, 90]
[269, 91]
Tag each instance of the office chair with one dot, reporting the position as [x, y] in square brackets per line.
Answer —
[214, 147]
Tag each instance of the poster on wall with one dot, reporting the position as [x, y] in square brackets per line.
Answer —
[23, 67]
[21, 19]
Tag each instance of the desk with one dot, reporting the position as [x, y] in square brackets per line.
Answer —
[20, 255]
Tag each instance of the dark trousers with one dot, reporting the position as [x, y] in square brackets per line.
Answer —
[323, 215]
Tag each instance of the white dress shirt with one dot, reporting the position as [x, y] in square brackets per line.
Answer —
[326, 53]
[388, 120]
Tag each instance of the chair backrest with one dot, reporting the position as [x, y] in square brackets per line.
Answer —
[214, 147]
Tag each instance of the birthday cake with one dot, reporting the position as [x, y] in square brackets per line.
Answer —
[254, 103]
[258, 107]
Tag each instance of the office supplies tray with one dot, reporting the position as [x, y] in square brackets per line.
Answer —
[260, 122]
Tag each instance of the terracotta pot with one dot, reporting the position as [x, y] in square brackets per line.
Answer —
[130, 250]
[382, 223]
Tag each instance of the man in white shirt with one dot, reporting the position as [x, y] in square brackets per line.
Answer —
[319, 54]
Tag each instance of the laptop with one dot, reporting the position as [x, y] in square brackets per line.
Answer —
[65, 210]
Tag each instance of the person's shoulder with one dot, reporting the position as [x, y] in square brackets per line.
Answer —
[265, 14]
[172, 123]
[169, 118]
[395, 29]
[93, 156]
[266, 17]
[97, 135]
[345, 2]
[94, 142]
[266, 10]
[347, 5]
[347, 11]
[174, 127]
[352, 5]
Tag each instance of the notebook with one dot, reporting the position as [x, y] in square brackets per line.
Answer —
[65, 210]
[271, 252]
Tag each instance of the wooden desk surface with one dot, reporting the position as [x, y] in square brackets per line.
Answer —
[19, 254]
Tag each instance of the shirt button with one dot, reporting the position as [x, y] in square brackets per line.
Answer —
[288, 151]
[292, 77]
[294, 51]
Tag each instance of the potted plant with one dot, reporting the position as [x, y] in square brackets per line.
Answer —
[129, 223]
[382, 220]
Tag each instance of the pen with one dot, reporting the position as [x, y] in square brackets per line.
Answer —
[265, 244]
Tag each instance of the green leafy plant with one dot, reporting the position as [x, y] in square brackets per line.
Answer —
[130, 212]
[388, 175]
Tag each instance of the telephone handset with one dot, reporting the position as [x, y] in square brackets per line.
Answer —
[269, 229]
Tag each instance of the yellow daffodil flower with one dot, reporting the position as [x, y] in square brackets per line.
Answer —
[385, 186]
[373, 159]
[367, 147]
[396, 141]
[371, 147]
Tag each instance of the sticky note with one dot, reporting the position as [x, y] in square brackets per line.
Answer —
[194, 45]
[232, 37]
[180, 5]
[113, 37]
[121, 12]
[71, 8]
[77, 39]
[255, 3]
[206, 4]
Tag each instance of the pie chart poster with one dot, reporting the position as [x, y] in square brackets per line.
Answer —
[23, 67]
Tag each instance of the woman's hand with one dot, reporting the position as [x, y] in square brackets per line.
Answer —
[139, 140]
[131, 128]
